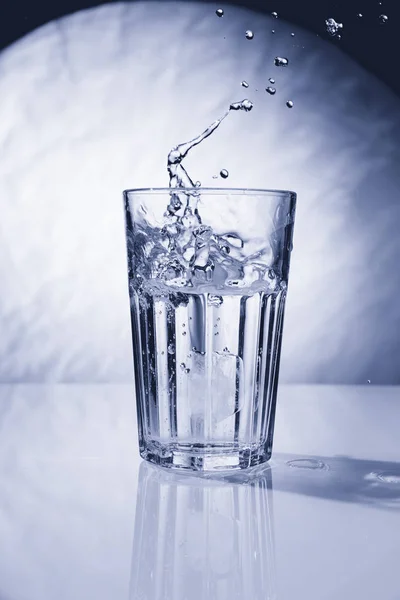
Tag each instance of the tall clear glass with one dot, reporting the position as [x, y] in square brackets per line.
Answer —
[208, 274]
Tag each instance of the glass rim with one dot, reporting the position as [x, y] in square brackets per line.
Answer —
[211, 190]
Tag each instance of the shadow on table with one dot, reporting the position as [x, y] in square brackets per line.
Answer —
[339, 478]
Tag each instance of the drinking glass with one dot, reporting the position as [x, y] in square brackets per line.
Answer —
[208, 274]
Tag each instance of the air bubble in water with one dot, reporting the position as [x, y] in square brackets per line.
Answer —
[184, 333]
[368, 381]
[292, 34]
[332, 27]
[182, 366]
[281, 61]
[271, 80]
[226, 349]
[289, 104]
[219, 12]
[214, 300]
[170, 348]
[249, 34]
[274, 14]
[224, 173]
[383, 19]
[272, 30]
[245, 84]
[359, 15]
[270, 90]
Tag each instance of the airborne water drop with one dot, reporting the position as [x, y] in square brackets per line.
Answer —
[281, 61]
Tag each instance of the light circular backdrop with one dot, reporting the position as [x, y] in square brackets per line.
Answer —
[92, 103]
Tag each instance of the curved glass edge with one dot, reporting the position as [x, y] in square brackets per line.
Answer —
[210, 190]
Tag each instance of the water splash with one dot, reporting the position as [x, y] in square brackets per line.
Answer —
[332, 27]
[178, 176]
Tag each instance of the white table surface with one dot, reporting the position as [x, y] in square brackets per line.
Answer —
[82, 517]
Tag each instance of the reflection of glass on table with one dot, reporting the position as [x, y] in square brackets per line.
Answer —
[201, 539]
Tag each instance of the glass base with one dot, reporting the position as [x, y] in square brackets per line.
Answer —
[204, 458]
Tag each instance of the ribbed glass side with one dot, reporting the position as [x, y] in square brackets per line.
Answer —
[206, 370]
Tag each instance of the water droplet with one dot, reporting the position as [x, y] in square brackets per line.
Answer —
[289, 104]
[281, 61]
[290, 246]
[368, 381]
[245, 84]
[245, 104]
[307, 463]
[272, 30]
[226, 349]
[217, 333]
[383, 19]
[187, 370]
[391, 477]
[249, 34]
[338, 37]
[292, 34]
[359, 15]
[182, 366]
[183, 324]
[274, 14]
[388, 477]
[184, 333]
[214, 300]
[271, 80]
[162, 353]
[219, 12]
[224, 173]
[197, 184]
[270, 90]
[332, 27]
[170, 349]
[215, 176]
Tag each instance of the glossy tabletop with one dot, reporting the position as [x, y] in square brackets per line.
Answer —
[82, 517]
